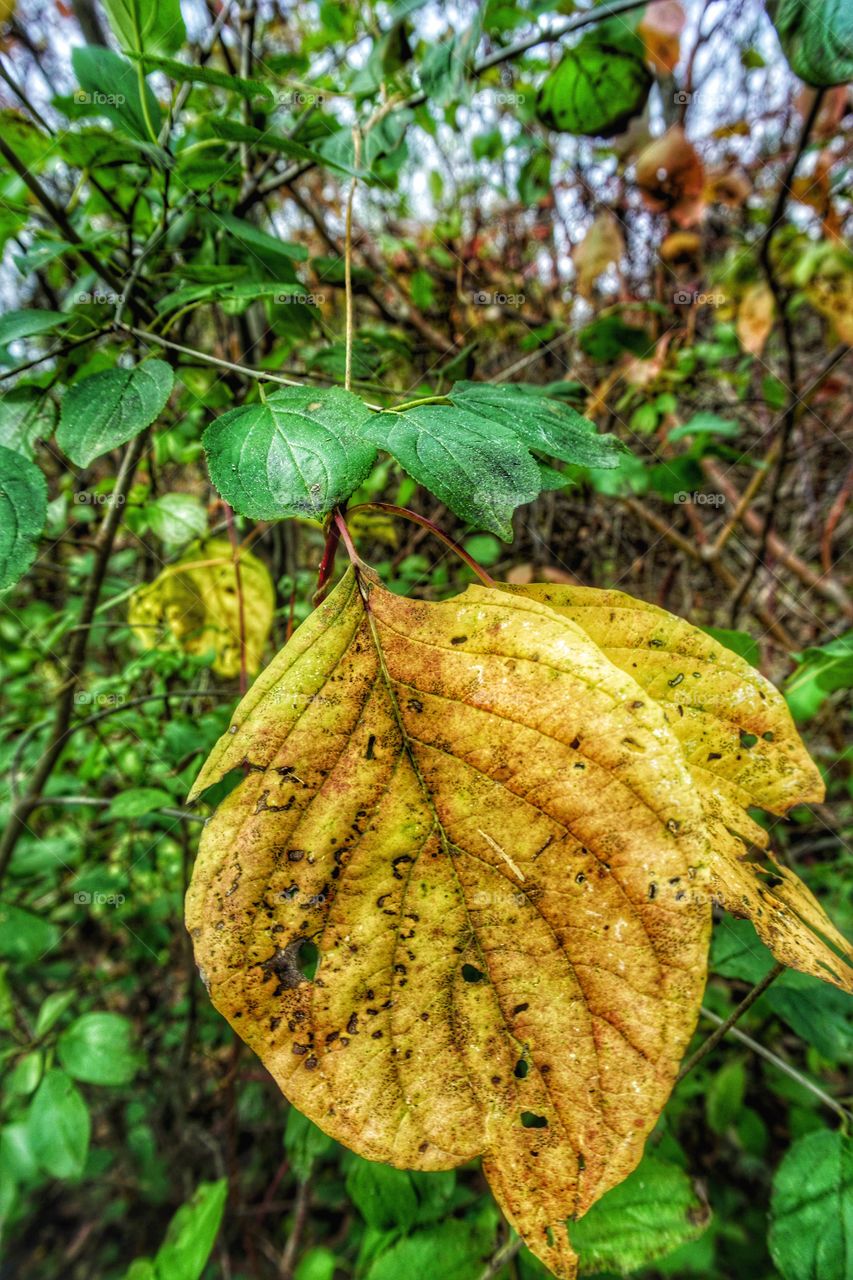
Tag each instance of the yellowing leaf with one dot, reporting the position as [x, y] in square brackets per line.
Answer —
[830, 291]
[602, 245]
[755, 318]
[742, 749]
[671, 177]
[660, 31]
[487, 832]
[195, 603]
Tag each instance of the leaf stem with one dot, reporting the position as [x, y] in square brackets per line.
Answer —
[416, 404]
[404, 513]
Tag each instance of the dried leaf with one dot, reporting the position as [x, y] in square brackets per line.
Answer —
[671, 177]
[488, 833]
[755, 318]
[602, 246]
[681, 246]
[195, 604]
[729, 187]
[742, 749]
[660, 31]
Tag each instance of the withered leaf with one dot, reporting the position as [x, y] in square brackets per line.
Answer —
[488, 833]
[671, 177]
[742, 749]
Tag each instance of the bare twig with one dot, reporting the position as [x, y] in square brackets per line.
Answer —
[737, 1013]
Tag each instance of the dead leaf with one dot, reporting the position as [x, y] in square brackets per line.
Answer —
[488, 833]
[681, 247]
[755, 318]
[660, 31]
[729, 187]
[816, 192]
[195, 604]
[742, 749]
[671, 177]
[602, 246]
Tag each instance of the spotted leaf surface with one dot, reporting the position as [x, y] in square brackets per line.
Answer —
[743, 751]
[483, 835]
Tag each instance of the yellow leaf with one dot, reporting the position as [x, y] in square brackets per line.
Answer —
[488, 832]
[755, 318]
[830, 292]
[195, 604]
[602, 246]
[660, 30]
[742, 749]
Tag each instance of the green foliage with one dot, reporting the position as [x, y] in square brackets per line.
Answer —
[23, 508]
[652, 1212]
[108, 409]
[599, 85]
[299, 451]
[811, 1212]
[817, 39]
[205, 207]
[189, 1239]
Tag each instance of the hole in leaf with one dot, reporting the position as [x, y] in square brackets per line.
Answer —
[747, 739]
[520, 1069]
[530, 1120]
[768, 736]
[472, 974]
[307, 958]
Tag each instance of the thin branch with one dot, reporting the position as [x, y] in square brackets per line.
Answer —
[93, 802]
[76, 658]
[737, 1013]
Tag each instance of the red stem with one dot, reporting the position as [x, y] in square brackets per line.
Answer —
[426, 523]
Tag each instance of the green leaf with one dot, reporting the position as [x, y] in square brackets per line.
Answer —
[740, 642]
[480, 469]
[388, 1198]
[59, 1126]
[456, 1250]
[23, 511]
[24, 938]
[52, 1010]
[445, 67]
[817, 38]
[599, 85]
[654, 1211]
[265, 140]
[110, 88]
[608, 336]
[724, 1099]
[177, 518]
[26, 415]
[189, 73]
[260, 242]
[549, 426]
[822, 670]
[190, 1237]
[299, 453]
[98, 1048]
[151, 26]
[26, 324]
[304, 1143]
[811, 1209]
[705, 424]
[110, 408]
[137, 801]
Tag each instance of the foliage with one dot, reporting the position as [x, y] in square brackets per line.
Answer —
[567, 289]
